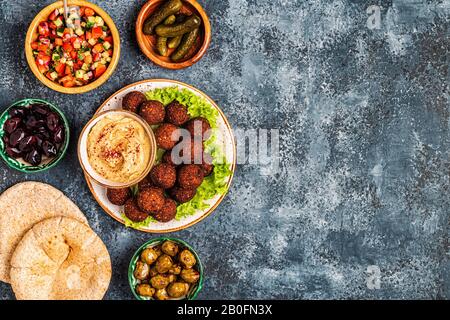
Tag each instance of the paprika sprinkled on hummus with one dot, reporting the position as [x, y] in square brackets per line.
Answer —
[118, 148]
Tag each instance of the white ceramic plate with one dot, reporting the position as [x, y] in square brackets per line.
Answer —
[225, 135]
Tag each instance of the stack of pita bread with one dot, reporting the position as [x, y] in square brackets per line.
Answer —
[47, 250]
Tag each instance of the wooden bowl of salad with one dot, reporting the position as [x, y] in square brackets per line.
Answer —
[75, 55]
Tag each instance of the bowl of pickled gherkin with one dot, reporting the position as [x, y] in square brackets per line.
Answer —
[174, 34]
[165, 269]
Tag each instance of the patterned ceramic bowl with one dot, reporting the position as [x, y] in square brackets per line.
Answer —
[194, 290]
[19, 164]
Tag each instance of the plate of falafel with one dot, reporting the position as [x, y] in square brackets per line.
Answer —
[195, 159]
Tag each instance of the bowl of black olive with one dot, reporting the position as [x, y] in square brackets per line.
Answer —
[34, 135]
[165, 269]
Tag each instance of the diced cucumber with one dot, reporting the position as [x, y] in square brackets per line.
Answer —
[58, 22]
[106, 45]
[108, 59]
[79, 31]
[92, 41]
[99, 21]
[54, 75]
[59, 34]
[55, 57]
[85, 67]
[63, 60]
[70, 63]
[79, 74]
[91, 19]
[85, 77]
[105, 54]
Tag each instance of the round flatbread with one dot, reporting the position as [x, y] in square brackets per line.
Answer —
[24, 205]
[60, 259]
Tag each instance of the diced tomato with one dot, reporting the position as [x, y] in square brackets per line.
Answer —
[60, 68]
[43, 47]
[109, 39]
[97, 56]
[52, 26]
[67, 47]
[88, 35]
[43, 29]
[76, 67]
[88, 12]
[73, 55]
[42, 68]
[100, 70]
[82, 11]
[110, 52]
[68, 71]
[53, 15]
[88, 59]
[98, 48]
[49, 75]
[97, 32]
[43, 59]
[58, 42]
[34, 45]
[68, 81]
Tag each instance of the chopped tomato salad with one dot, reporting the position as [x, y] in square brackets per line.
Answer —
[73, 52]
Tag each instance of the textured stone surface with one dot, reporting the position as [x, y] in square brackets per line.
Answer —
[364, 144]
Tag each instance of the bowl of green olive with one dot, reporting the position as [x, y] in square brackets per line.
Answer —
[165, 269]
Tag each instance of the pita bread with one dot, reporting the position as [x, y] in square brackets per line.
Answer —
[60, 259]
[22, 206]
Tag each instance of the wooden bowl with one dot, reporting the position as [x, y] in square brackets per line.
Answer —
[148, 43]
[32, 35]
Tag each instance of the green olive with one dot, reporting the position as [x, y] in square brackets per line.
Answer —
[163, 264]
[172, 278]
[175, 269]
[160, 281]
[187, 259]
[190, 275]
[153, 272]
[149, 256]
[141, 271]
[145, 290]
[161, 294]
[170, 248]
[177, 289]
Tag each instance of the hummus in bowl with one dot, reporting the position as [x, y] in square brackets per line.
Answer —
[117, 148]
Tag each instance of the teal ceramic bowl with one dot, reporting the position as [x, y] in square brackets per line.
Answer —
[194, 290]
[20, 165]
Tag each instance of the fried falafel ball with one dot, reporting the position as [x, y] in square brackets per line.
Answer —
[176, 113]
[152, 111]
[182, 195]
[167, 212]
[145, 183]
[190, 176]
[207, 165]
[167, 158]
[194, 147]
[151, 200]
[118, 196]
[133, 212]
[199, 127]
[133, 100]
[166, 135]
[163, 175]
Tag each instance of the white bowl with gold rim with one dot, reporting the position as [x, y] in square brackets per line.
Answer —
[87, 160]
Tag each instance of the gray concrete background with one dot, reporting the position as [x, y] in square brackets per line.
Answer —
[364, 145]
